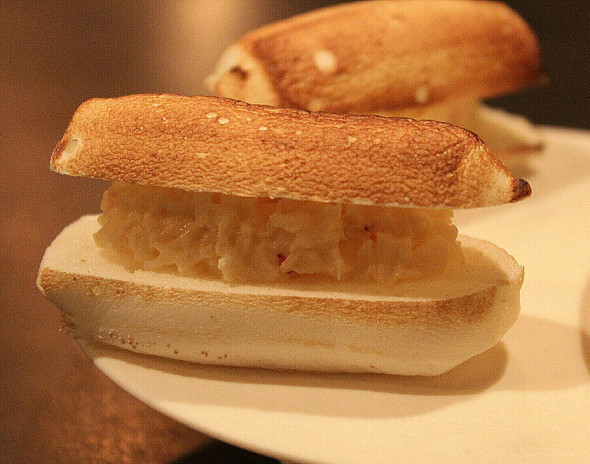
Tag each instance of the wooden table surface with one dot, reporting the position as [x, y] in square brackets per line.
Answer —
[55, 406]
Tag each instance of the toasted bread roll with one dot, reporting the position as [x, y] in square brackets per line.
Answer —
[208, 144]
[422, 327]
[377, 55]
[415, 58]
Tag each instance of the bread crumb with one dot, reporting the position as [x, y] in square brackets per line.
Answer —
[223, 120]
[316, 104]
[325, 61]
[211, 115]
[96, 290]
[422, 94]
[263, 128]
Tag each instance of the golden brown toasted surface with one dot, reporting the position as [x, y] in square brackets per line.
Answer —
[220, 145]
[380, 55]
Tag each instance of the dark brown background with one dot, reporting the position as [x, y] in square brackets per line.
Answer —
[54, 405]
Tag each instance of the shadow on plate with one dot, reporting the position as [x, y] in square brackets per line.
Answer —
[219, 452]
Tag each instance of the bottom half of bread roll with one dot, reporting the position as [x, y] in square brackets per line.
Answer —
[421, 327]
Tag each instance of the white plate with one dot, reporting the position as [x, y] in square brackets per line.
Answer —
[527, 400]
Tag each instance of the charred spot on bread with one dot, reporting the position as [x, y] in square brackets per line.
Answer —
[239, 72]
[522, 189]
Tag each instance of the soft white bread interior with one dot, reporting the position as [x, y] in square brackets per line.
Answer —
[393, 57]
[423, 327]
[209, 144]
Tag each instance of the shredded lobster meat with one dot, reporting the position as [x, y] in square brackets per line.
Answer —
[262, 239]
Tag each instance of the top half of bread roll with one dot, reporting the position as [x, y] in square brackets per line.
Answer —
[376, 56]
[211, 144]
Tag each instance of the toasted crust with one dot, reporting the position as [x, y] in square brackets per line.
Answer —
[220, 145]
[510, 136]
[419, 328]
[375, 56]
